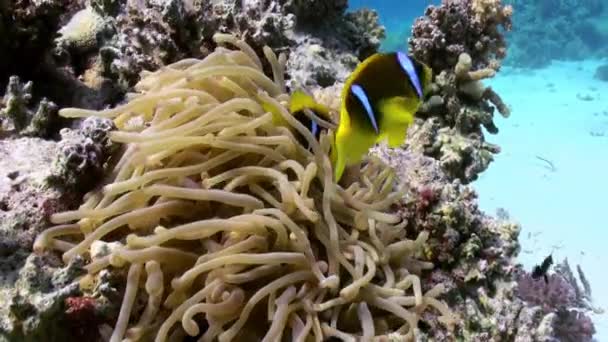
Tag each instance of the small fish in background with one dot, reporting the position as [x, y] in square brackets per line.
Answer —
[379, 101]
[542, 269]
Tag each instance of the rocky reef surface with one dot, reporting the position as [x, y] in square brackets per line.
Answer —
[89, 54]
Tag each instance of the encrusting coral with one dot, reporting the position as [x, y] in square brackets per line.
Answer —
[230, 229]
[83, 154]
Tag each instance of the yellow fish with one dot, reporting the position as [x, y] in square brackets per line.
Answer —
[298, 102]
[379, 101]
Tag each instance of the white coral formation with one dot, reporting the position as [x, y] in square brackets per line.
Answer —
[81, 31]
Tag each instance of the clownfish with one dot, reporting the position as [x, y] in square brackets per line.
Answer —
[299, 101]
[379, 101]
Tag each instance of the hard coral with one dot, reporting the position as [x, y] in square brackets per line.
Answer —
[145, 35]
[474, 252]
[27, 42]
[17, 113]
[461, 26]
[562, 296]
[314, 11]
[82, 31]
[35, 297]
[82, 155]
[463, 43]
[25, 203]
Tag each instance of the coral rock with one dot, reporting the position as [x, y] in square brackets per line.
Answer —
[82, 154]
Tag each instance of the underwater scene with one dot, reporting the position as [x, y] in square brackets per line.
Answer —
[303, 170]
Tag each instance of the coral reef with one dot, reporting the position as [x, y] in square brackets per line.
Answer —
[563, 298]
[140, 217]
[92, 52]
[557, 30]
[82, 155]
[474, 256]
[239, 217]
[461, 26]
[18, 116]
[32, 288]
[473, 252]
[463, 42]
[30, 52]
[118, 42]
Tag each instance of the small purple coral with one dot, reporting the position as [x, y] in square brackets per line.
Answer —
[561, 295]
[552, 295]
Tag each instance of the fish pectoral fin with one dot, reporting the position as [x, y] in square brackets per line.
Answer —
[397, 115]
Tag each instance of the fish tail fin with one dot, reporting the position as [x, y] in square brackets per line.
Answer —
[398, 115]
[300, 100]
[277, 118]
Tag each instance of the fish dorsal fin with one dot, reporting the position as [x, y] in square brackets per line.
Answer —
[410, 69]
[359, 93]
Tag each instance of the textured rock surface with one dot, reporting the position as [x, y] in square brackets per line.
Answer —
[32, 288]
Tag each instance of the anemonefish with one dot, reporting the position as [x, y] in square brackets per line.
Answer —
[300, 101]
[379, 101]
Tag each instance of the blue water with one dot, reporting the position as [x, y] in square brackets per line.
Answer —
[397, 16]
[561, 211]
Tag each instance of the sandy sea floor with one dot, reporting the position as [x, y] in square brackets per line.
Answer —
[559, 113]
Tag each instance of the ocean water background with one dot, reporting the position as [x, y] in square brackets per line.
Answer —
[559, 113]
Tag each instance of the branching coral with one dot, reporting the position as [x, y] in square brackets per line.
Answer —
[237, 230]
[17, 115]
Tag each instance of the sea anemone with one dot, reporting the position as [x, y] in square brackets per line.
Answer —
[233, 230]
